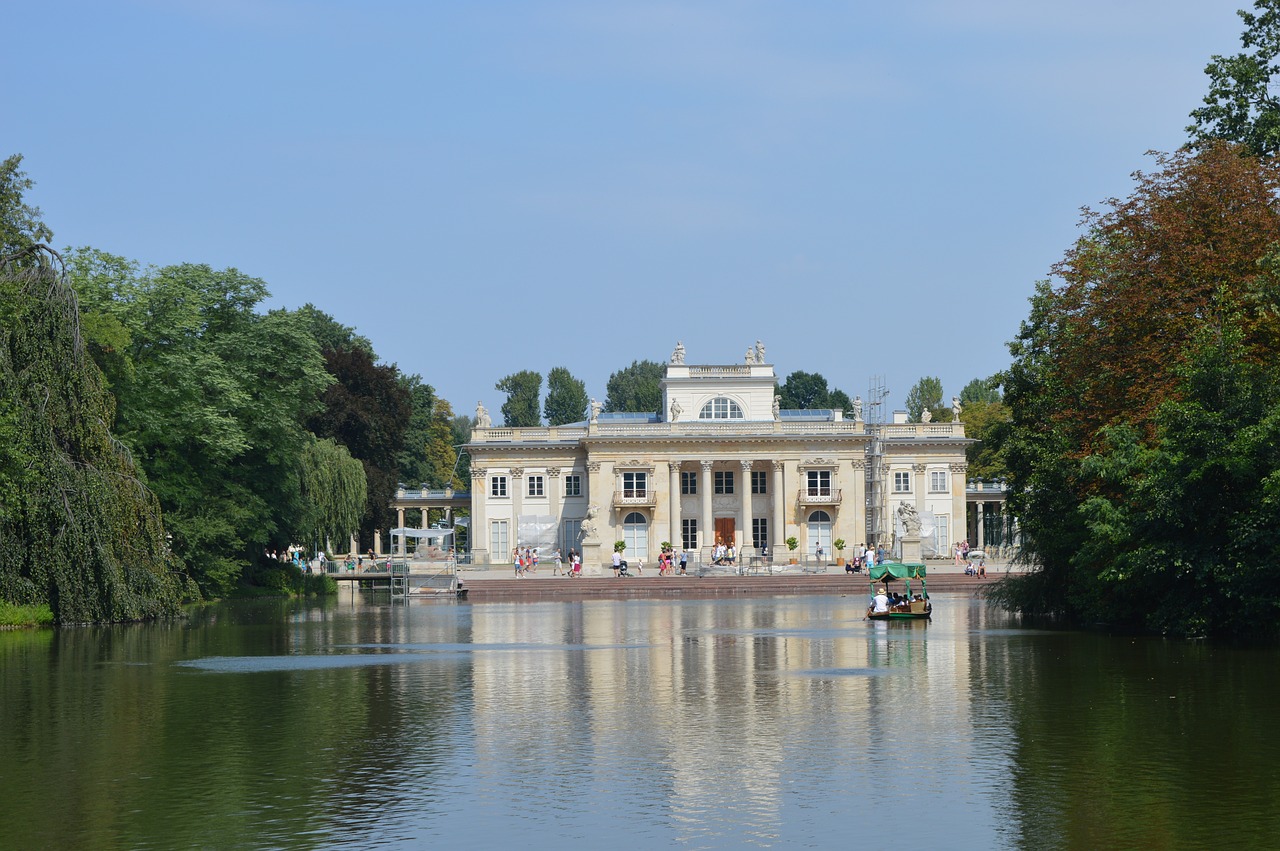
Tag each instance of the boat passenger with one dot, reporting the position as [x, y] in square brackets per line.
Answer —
[881, 601]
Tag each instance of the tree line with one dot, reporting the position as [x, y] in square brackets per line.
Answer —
[1144, 443]
[224, 430]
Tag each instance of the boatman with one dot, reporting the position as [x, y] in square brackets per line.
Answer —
[882, 600]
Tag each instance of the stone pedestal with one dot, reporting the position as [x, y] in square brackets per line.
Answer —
[911, 549]
[591, 555]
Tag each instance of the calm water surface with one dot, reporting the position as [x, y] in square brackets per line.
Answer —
[696, 723]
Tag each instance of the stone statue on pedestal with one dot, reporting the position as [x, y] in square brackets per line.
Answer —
[482, 416]
[926, 416]
[675, 410]
[910, 519]
[955, 409]
[588, 530]
[857, 409]
[677, 356]
[596, 408]
[759, 352]
[777, 408]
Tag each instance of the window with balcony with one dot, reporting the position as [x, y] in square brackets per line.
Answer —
[635, 485]
[819, 482]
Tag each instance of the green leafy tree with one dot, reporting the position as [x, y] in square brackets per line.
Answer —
[460, 429]
[21, 225]
[805, 391]
[637, 388]
[523, 390]
[212, 403]
[442, 457]
[79, 530]
[334, 491]
[1241, 105]
[981, 390]
[840, 401]
[566, 397]
[927, 393]
[1146, 374]
[367, 409]
[983, 422]
[414, 464]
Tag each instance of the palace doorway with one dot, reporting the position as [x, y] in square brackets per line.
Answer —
[725, 530]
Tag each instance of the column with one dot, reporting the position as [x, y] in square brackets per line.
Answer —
[377, 542]
[593, 553]
[959, 518]
[479, 531]
[778, 524]
[919, 485]
[744, 507]
[979, 506]
[517, 497]
[706, 523]
[553, 500]
[673, 509]
[859, 531]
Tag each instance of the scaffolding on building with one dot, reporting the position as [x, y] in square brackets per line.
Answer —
[877, 398]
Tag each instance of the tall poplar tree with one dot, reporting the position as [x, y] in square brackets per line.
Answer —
[566, 397]
[523, 390]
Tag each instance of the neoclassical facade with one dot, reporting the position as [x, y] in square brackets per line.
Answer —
[721, 463]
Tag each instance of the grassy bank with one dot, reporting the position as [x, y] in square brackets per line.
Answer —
[12, 615]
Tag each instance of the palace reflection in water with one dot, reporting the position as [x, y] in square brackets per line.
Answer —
[704, 723]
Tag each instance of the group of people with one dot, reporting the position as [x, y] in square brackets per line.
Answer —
[864, 557]
[667, 562]
[526, 562]
[883, 601]
[722, 554]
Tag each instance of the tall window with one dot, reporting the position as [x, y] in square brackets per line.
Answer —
[689, 532]
[721, 408]
[688, 483]
[942, 533]
[760, 533]
[535, 486]
[635, 531]
[820, 532]
[758, 479]
[498, 486]
[819, 482]
[723, 482]
[938, 481]
[634, 484]
[902, 482]
[573, 485]
[499, 542]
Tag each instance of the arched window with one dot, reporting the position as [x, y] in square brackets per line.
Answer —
[721, 408]
[819, 532]
[635, 531]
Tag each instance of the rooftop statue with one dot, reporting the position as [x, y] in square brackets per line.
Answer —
[676, 410]
[482, 416]
[677, 356]
[759, 352]
[857, 409]
[955, 409]
[596, 408]
[926, 416]
[777, 408]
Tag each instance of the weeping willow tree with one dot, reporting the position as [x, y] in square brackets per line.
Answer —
[78, 528]
[334, 490]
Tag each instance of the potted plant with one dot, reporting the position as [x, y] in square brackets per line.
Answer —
[793, 543]
[838, 543]
[619, 546]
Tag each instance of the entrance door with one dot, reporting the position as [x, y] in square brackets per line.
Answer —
[724, 530]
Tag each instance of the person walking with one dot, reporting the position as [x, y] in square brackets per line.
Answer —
[684, 561]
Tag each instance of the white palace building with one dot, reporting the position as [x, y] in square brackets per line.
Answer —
[721, 463]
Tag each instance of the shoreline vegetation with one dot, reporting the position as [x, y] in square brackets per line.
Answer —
[13, 616]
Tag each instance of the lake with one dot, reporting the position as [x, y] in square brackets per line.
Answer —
[705, 723]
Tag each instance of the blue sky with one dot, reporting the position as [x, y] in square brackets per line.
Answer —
[869, 188]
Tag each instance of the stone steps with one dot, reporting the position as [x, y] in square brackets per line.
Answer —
[692, 586]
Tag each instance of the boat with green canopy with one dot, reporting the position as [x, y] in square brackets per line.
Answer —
[908, 607]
